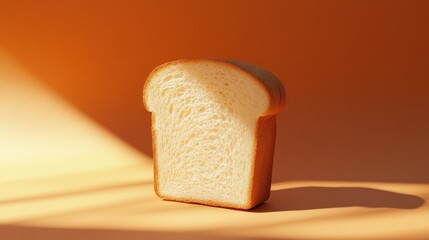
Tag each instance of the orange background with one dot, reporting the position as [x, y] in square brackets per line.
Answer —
[356, 73]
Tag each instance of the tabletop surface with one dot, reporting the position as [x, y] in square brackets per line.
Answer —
[63, 176]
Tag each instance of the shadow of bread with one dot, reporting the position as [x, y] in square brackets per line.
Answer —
[309, 198]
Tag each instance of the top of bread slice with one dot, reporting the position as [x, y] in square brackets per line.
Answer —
[274, 89]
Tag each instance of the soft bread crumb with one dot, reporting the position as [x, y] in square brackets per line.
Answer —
[213, 131]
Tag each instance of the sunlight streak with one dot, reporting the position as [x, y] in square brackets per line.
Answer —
[53, 158]
[42, 135]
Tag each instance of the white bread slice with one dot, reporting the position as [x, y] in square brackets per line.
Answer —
[213, 130]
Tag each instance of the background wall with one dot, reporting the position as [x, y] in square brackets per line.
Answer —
[356, 72]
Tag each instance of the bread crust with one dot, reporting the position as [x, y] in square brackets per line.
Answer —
[260, 183]
[272, 85]
[155, 162]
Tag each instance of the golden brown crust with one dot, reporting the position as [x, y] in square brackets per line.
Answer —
[272, 85]
[264, 135]
[155, 162]
[208, 202]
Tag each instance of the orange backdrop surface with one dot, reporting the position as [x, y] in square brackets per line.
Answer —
[356, 72]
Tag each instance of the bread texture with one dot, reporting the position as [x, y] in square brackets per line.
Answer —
[213, 131]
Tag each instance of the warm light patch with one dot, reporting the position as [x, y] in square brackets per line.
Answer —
[53, 158]
[42, 135]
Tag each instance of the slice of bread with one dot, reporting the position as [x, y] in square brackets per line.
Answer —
[213, 130]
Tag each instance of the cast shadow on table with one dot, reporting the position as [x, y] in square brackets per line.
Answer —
[310, 198]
